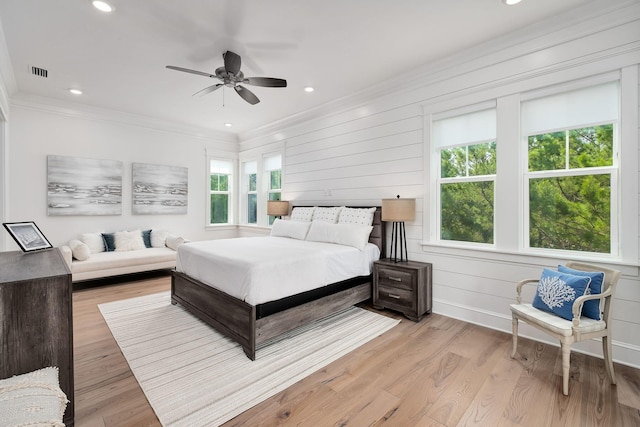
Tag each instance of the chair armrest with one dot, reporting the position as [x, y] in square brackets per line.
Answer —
[66, 254]
[519, 286]
[576, 308]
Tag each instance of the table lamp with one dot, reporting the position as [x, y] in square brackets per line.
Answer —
[277, 208]
[398, 211]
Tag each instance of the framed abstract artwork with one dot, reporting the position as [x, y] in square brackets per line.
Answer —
[159, 189]
[27, 235]
[79, 186]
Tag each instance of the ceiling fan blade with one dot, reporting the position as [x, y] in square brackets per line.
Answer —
[265, 82]
[247, 95]
[186, 70]
[232, 62]
[209, 89]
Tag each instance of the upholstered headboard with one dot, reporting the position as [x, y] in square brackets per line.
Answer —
[378, 234]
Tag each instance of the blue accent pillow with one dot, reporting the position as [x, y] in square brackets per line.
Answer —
[146, 238]
[590, 308]
[109, 240]
[557, 291]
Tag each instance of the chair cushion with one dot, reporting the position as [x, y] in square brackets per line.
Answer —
[557, 291]
[532, 315]
[590, 308]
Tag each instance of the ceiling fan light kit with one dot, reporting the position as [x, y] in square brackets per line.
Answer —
[231, 77]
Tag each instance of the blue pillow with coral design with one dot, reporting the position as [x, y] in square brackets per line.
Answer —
[590, 308]
[557, 291]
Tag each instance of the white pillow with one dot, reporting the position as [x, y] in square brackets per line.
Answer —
[129, 241]
[158, 238]
[79, 250]
[302, 213]
[173, 241]
[293, 229]
[94, 241]
[327, 214]
[363, 216]
[355, 235]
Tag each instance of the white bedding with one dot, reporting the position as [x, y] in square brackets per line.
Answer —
[262, 269]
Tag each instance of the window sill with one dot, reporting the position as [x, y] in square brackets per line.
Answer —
[212, 227]
[542, 258]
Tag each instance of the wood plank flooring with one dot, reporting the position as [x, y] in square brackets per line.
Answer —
[438, 372]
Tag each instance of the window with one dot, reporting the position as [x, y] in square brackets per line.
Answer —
[466, 147]
[273, 170]
[261, 180]
[220, 179]
[251, 186]
[571, 174]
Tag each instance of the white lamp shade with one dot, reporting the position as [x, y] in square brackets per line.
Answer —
[398, 210]
[277, 207]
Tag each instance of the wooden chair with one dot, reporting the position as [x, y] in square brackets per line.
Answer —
[580, 328]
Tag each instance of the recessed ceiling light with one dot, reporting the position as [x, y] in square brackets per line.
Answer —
[511, 2]
[308, 89]
[75, 91]
[102, 6]
[228, 124]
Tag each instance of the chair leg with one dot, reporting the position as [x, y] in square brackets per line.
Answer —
[514, 327]
[608, 360]
[566, 357]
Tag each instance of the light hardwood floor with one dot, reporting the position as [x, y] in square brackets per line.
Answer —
[438, 372]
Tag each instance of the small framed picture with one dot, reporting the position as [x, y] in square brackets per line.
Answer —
[27, 235]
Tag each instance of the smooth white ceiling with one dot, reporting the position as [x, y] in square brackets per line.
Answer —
[340, 47]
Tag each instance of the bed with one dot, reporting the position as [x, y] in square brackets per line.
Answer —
[253, 324]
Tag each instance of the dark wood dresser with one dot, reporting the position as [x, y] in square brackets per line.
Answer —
[402, 286]
[36, 324]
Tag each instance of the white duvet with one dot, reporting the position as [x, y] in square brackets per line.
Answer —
[262, 269]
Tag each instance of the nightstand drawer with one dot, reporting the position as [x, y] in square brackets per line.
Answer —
[392, 296]
[402, 286]
[396, 278]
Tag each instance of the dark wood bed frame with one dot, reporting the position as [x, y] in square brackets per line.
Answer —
[237, 320]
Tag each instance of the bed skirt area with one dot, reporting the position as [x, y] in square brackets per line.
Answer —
[240, 321]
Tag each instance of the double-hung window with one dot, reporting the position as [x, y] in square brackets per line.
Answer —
[465, 145]
[261, 180]
[250, 182]
[220, 191]
[273, 175]
[571, 178]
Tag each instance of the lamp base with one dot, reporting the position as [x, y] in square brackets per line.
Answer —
[398, 238]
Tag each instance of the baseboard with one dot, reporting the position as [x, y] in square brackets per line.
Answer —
[623, 353]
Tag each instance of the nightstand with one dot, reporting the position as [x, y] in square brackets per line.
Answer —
[402, 286]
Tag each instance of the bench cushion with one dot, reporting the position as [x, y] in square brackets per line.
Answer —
[109, 260]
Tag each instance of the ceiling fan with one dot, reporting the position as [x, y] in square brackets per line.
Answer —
[231, 76]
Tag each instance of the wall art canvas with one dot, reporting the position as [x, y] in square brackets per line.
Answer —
[159, 189]
[79, 186]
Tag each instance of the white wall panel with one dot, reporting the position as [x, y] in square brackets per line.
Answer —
[362, 154]
[37, 132]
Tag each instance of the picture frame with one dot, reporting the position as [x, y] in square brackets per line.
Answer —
[27, 235]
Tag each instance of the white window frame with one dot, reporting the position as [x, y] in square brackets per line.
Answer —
[459, 141]
[613, 171]
[246, 189]
[232, 161]
[270, 164]
[262, 184]
[509, 197]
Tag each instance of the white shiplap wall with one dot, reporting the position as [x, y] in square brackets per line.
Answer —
[358, 154]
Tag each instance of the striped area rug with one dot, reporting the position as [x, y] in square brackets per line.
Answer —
[194, 376]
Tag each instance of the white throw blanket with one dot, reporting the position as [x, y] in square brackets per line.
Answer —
[262, 269]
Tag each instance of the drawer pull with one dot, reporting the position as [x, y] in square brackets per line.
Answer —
[395, 279]
[394, 296]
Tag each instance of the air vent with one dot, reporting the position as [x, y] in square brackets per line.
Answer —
[37, 71]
